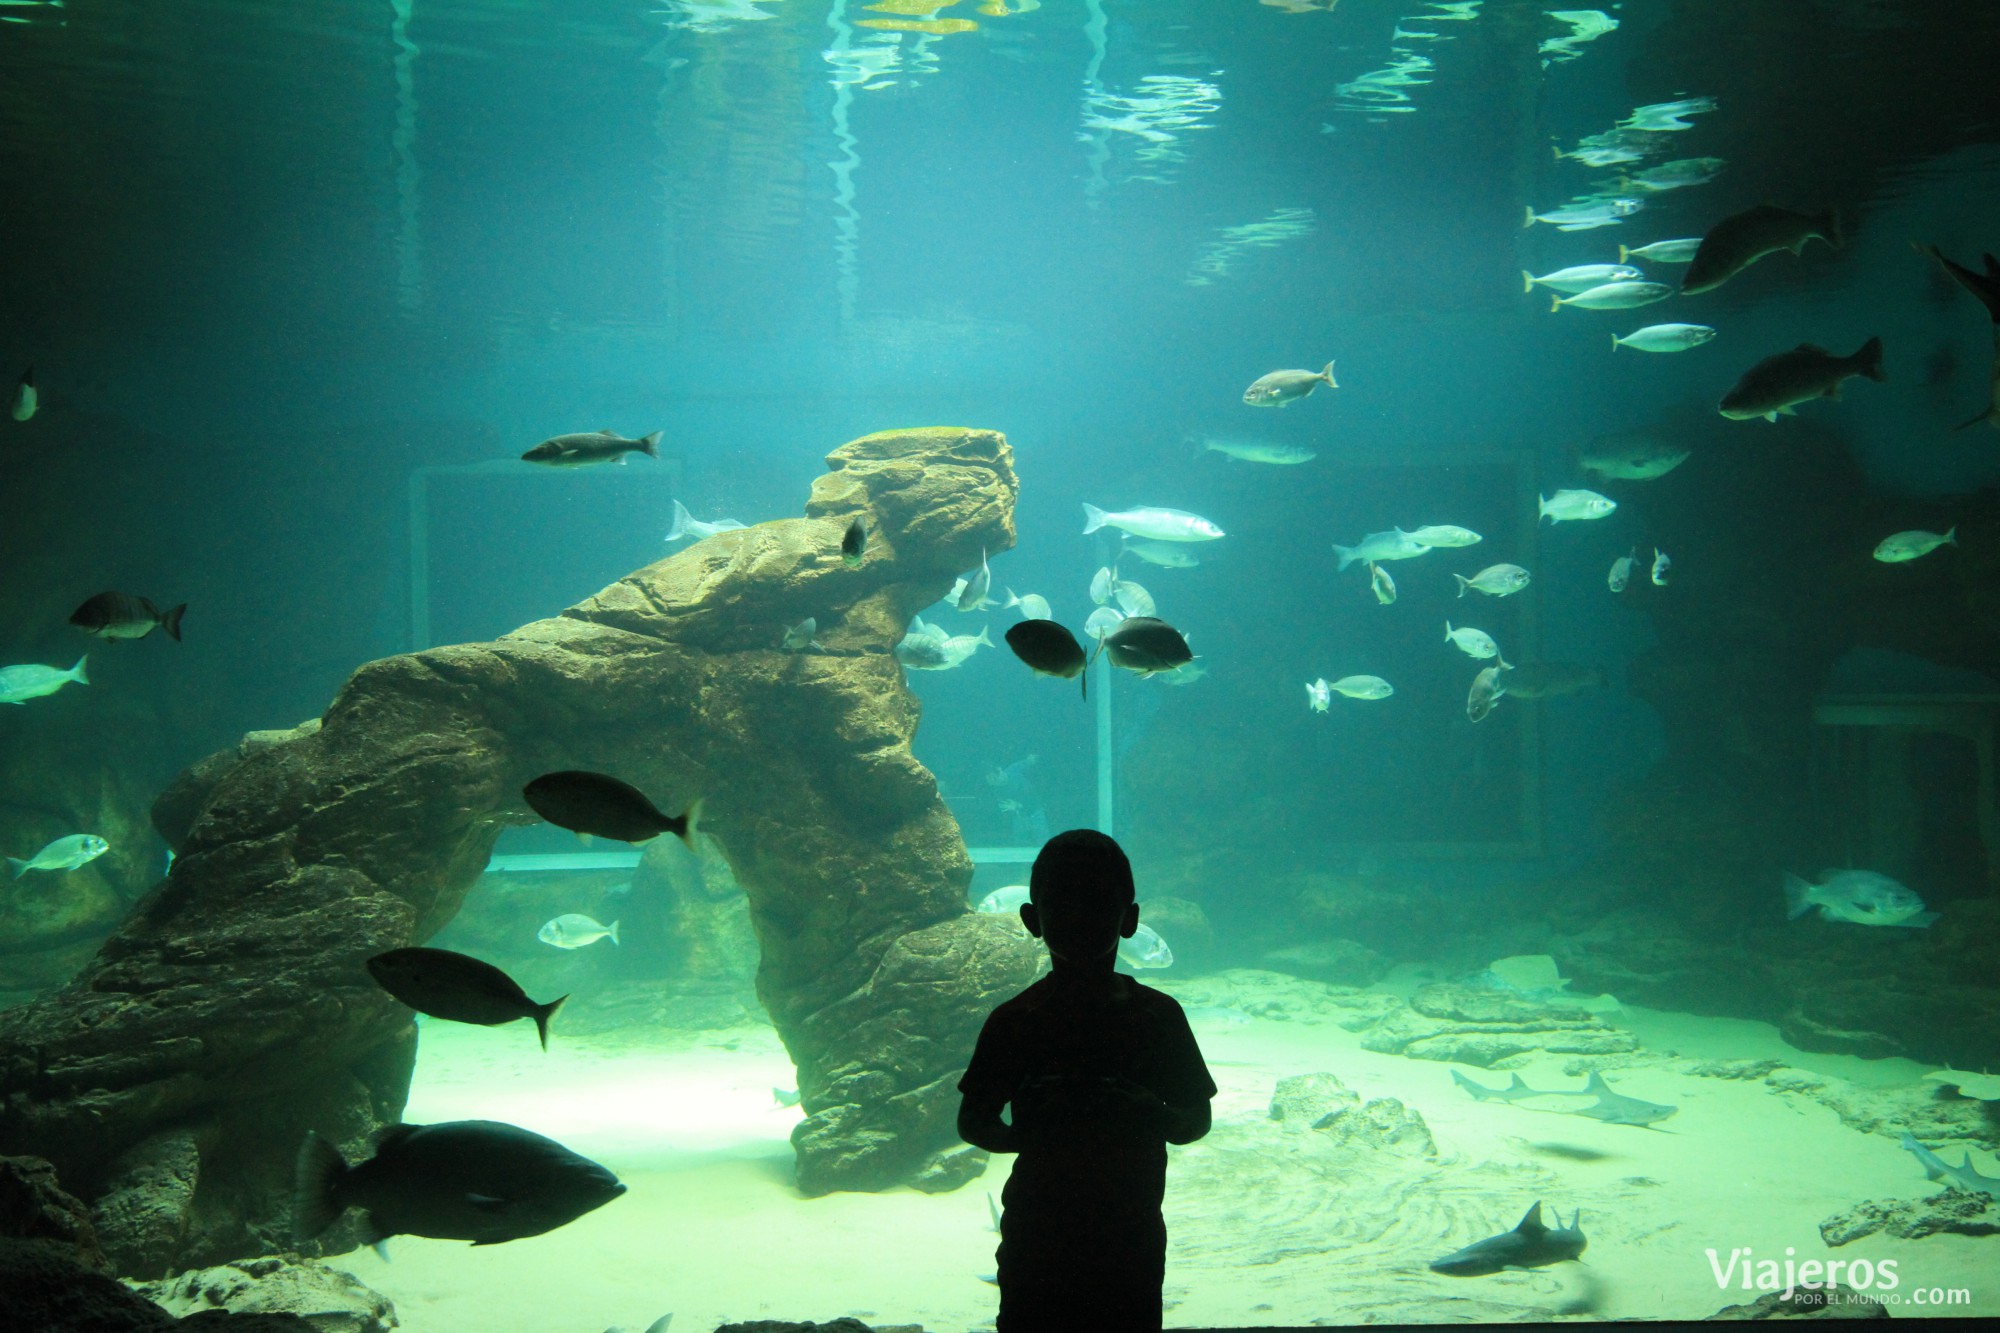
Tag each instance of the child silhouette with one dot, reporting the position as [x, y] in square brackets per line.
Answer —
[1101, 1074]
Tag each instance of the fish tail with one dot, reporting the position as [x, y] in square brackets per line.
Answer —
[77, 673]
[1527, 216]
[1327, 375]
[688, 823]
[1615, 344]
[16, 867]
[1093, 519]
[1829, 227]
[681, 519]
[171, 622]
[1797, 903]
[1624, 255]
[1011, 602]
[1528, 280]
[1346, 554]
[1869, 360]
[1464, 582]
[1447, 631]
[543, 1013]
[316, 1178]
[651, 443]
[612, 931]
[1951, 535]
[982, 637]
[1991, 416]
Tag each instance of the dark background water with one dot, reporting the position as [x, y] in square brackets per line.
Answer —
[268, 264]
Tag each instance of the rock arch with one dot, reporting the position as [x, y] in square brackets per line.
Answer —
[173, 1078]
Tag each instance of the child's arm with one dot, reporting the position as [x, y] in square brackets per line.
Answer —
[1185, 1124]
[980, 1125]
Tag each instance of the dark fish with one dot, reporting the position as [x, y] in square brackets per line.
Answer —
[1742, 239]
[586, 448]
[1529, 1245]
[1049, 649]
[118, 615]
[1485, 692]
[1985, 286]
[476, 1180]
[853, 543]
[1146, 645]
[451, 985]
[1548, 680]
[598, 804]
[1779, 383]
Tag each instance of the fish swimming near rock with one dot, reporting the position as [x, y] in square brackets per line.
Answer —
[1613, 1108]
[1899, 547]
[854, 544]
[1551, 680]
[1779, 383]
[974, 598]
[1165, 525]
[477, 1180]
[1049, 649]
[928, 648]
[1528, 1245]
[1962, 1176]
[18, 684]
[1861, 897]
[605, 807]
[1741, 239]
[1258, 451]
[687, 525]
[799, 637]
[26, 400]
[590, 448]
[118, 615]
[1145, 949]
[458, 987]
[1281, 388]
[63, 854]
[574, 930]
[1146, 645]
[1004, 902]
[1395, 544]
[1495, 581]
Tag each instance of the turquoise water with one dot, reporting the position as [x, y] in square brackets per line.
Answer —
[297, 287]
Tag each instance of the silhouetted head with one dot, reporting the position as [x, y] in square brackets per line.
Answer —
[1081, 898]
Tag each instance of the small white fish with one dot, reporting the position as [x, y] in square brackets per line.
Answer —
[1032, 607]
[1145, 949]
[1614, 296]
[1472, 642]
[687, 525]
[1363, 687]
[1395, 544]
[1446, 535]
[1494, 581]
[1168, 555]
[800, 637]
[1101, 584]
[959, 648]
[1573, 505]
[1903, 546]
[1187, 673]
[1621, 573]
[1485, 692]
[18, 684]
[1580, 277]
[1665, 337]
[1258, 451]
[1102, 621]
[25, 397]
[1384, 586]
[1165, 525]
[1660, 117]
[1319, 695]
[1677, 251]
[573, 930]
[1132, 599]
[1004, 902]
[974, 598]
[62, 854]
[1662, 562]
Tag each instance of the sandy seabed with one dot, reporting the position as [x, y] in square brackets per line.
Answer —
[1269, 1225]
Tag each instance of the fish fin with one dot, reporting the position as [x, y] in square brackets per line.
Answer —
[543, 1013]
[1093, 519]
[1797, 901]
[1327, 375]
[1555, 303]
[316, 1177]
[1950, 536]
[612, 931]
[1615, 344]
[585, 838]
[1870, 358]
[1991, 416]
[1083, 681]
[1447, 631]
[1532, 1219]
[681, 520]
[1463, 582]
[1624, 255]
[982, 637]
[651, 443]
[1527, 216]
[1771, 417]
[1346, 554]
[16, 867]
[1595, 1083]
[1834, 234]
[1528, 280]
[77, 673]
[171, 622]
[1832, 391]
[690, 822]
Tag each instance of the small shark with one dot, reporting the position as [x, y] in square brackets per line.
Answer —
[1529, 1245]
[1613, 1108]
[1961, 1176]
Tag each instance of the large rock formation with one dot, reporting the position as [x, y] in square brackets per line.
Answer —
[231, 1012]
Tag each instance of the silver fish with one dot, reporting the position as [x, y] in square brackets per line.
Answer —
[1032, 607]
[976, 587]
[1472, 642]
[574, 930]
[1258, 451]
[1573, 505]
[1665, 338]
[1860, 897]
[62, 854]
[1102, 621]
[1383, 585]
[1677, 251]
[1362, 687]
[1903, 546]
[1132, 599]
[1614, 296]
[1485, 692]
[1283, 387]
[800, 636]
[1632, 456]
[1395, 544]
[1662, 562]
[1580, 277]
[1494, 581]
[18, 684]
[1319, 695]
[1621, 573]
[1166, 525]
[1448, 535]
[1168, 555]
[1101, 584]
[687, 525]
[1145, 950]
